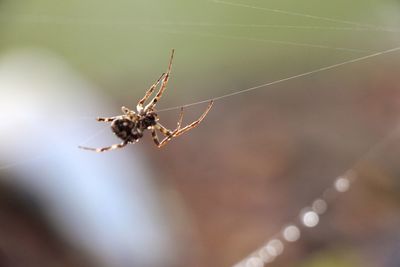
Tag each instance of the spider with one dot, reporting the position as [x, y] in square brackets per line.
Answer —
[130, 126]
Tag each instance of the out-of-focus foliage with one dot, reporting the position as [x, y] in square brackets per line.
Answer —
[332, 259]
[121, 44]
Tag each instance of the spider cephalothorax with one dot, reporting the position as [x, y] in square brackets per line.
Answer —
[148, 120]
[130, 126]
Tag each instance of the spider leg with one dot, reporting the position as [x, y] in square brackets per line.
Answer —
[106, 119]
[164, 141]
[168, 132]
[155, 137]
[108, 148]
[125, 110]
[139, 106]
[180, 119]
[163, 85]
[195, 123]
[165, 131]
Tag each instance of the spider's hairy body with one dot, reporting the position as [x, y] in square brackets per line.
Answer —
[130, 126]
[131, 130]
[126, 129]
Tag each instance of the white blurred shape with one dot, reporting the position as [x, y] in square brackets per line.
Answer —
[254, 262]
[103, 203]
[310, 219]
[291, 233]
[275, 247]
[319, 206]
[265, 255]
[342, 184]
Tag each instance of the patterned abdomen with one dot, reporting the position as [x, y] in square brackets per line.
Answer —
[126, 129]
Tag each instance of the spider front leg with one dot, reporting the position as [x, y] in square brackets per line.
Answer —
[139, 106]
[165, 140]
[103, 149]
[168, 133]
[178, 131]
[155, 137]
[195, 123]
[180, 119]
[157, 141]
[154, 101]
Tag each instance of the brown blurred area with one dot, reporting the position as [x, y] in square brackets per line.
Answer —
[248, 169]
[261, 157]
[27, 238]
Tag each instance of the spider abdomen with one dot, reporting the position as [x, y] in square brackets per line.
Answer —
[126, 129]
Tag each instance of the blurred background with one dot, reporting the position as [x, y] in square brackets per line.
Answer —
[214, 195]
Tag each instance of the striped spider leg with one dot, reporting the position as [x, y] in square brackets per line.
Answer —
[164, 83]
[107, 148]
[178, 131]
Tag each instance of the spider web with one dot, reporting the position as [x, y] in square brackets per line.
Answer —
[255, 259]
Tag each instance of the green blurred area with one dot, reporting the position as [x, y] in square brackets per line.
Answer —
[125, 44]
[333, 259]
